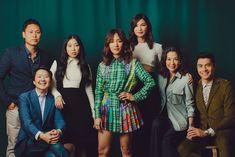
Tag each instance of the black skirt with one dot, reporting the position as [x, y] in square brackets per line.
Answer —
[78, 117]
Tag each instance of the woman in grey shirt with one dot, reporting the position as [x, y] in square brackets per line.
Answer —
[177, 105]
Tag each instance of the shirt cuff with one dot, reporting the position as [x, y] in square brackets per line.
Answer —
[61, 133]
[37, 135]
[190, 114]
[211, 132]
[97, 113]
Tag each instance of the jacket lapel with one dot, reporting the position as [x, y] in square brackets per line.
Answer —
[37, 105]
[214, 88]
[48, 106]
[199, 96]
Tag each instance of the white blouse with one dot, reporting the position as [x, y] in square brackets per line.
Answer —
[72, 79]
[148, 56]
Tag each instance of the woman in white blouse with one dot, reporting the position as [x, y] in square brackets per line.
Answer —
[73, 94]
[149, 54]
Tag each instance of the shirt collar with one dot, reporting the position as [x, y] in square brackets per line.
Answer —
[38, 93]
[207, 84]
[28, 52]
[178, 75]
[70, 59]
[119, 59]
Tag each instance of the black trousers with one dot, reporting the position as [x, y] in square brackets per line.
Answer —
[148, 109]
[164, 139]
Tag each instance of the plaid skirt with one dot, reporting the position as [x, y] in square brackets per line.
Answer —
[122, 119]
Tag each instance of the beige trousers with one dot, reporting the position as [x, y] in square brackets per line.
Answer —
[12, 130]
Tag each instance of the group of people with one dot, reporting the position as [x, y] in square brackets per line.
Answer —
[52, 111]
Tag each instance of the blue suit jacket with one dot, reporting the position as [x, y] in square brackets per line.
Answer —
[15, 64]
[31, 118]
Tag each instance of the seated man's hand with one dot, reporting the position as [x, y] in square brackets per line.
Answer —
[46, 137]
[55, 136]
[195, 132]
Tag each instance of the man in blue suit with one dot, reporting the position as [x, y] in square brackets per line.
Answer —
[18, 64]
[42, 123]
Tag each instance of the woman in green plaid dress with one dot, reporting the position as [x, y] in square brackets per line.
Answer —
[115, 108]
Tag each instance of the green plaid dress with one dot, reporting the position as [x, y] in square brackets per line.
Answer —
[118, 116]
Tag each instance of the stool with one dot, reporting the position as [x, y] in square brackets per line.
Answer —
[214, 150]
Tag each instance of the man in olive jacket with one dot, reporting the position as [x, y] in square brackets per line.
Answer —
[215, 101]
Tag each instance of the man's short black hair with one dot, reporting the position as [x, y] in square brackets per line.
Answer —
[204, 55]
[43, 68]
[31, 21]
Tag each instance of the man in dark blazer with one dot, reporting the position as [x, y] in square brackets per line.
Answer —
[18, 64]
[42, 123]
[215, 101]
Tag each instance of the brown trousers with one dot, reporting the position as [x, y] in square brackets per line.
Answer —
[224, 140]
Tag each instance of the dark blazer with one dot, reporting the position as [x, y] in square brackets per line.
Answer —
[31, 118]
[15, 64]
[220, 113]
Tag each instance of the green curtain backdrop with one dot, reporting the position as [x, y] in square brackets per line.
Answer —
[193, 25]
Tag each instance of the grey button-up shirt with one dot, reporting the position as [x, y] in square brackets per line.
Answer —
[177, 96]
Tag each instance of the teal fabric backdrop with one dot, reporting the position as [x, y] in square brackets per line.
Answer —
[193, 25]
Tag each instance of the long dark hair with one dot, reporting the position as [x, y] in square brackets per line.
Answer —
[125, 51]
[62, 63]
[148, 36]
[182, 67]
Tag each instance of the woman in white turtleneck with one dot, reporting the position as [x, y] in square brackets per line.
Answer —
[73, 94]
